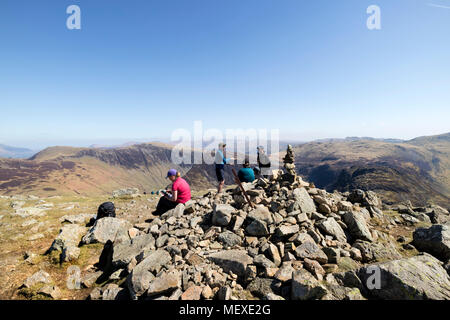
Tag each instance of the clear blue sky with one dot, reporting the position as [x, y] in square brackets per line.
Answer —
[140, 69]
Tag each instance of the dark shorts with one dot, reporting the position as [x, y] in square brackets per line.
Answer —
[219, 172]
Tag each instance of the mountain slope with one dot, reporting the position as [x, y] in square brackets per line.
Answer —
[416, 170]
[66, 170]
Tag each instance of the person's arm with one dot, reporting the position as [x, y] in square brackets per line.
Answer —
[174, 196]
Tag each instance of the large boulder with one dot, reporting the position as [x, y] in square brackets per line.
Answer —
[257, 228]
[82, 218]
[222, 214]
[305, 286]
[232, 260]
[375, 251]
[261, 213]
[108, 228]
[40, 277]
[365, 198]
[438, 214]
[139, 279]
[303, 201]
[311, 251]
[332, 228]
[69, 236]
[357, 226]
[125, 251]
[434, 240]
[126, 193]
[418, 278]
[229, 239]
[261, 287]
[164, 283]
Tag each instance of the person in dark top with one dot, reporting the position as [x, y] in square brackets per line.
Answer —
[264, 163]
[220, 162]
[246, 174]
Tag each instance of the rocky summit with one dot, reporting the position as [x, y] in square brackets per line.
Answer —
[294, 241]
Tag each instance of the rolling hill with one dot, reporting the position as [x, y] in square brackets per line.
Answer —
[417, 170]
[86, 171]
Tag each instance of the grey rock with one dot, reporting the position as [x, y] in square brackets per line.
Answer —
[229, 238]
[261, 261]
[222, 214]
[77, 219]
[287, 230]
[418, 278]
[257, 228]
[303, 201]
[38, 277]
[125, 251]
[434, 240]
[357, 226]
[439, 215]
[126, 193]
[377, 251]
[165, 283]
[108, 228]
[111, 292]
[50, 291]
[69, 235]
[273, 253]
[261, 287]
[311, 251]
[331, 227]
[139, 279]
[305, 286]
[261, 213]
[232, 260]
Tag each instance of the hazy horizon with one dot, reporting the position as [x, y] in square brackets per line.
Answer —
[140, 69]
[121, 141]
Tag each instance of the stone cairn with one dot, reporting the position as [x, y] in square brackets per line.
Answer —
[289, 165]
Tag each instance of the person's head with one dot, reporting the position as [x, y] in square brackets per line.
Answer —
[172, 175]
[260, 149]
[247, 163]
[222, 146]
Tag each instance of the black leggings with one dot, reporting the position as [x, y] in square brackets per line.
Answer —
[164, 205]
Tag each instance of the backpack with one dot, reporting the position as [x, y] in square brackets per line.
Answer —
[264, 161]
[106, 209]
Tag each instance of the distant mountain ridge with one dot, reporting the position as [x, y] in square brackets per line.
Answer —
[416, 170]
[15, 152]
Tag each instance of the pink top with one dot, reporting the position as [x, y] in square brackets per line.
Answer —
[184, 191]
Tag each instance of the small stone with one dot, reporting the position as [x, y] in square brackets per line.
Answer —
[192, 293]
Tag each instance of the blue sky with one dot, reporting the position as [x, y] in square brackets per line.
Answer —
[139, 69]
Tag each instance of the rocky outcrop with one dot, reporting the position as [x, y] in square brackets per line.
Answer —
[417, 278]
[107, 229]
[434, 240]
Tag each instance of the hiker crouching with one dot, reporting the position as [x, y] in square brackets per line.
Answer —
[179, 193]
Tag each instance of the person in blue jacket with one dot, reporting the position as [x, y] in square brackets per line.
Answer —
[220, 161]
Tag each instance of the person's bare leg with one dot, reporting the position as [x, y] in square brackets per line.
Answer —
[219, 190]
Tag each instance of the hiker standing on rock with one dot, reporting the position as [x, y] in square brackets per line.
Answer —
[220, 161]
[180, 193]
